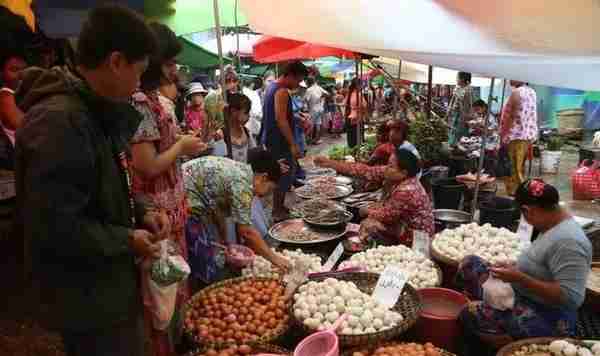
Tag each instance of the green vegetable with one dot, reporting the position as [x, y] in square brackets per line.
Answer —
[427, 136]
[339, 152]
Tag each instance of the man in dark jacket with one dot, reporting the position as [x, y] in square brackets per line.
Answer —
[82, 224]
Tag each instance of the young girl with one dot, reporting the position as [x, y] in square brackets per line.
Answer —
[195, 116]
[241, 140]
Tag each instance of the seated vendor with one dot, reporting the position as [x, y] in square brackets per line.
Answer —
[218, 188]
[384, 148]
[405, 206]
[549, 278]
[397, 132]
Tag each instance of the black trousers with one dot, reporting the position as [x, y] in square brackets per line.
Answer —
[352, 135]
[123, 339]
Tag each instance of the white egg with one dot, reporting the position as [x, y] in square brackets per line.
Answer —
[353, 321]
[324, 308]
[357, 331]
[346, 331]
[370, 330]
[377, 323]
[318, 316]
[332, 316]
[366, 318]
[311, 323]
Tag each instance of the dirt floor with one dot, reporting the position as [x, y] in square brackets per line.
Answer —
[20, 335]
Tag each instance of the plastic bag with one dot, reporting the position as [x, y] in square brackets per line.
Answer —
[160, 283]
[498, 294]
[170, 268]
[585, 181]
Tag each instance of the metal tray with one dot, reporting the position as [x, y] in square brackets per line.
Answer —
[318, 171]
[340, 180]
[341, 192]
[298, 225]
[339, 224]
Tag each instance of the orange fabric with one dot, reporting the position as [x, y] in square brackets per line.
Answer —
[21, 8]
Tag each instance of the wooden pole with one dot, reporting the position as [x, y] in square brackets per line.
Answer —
[227, 133]
[429, 91]
[484, 138]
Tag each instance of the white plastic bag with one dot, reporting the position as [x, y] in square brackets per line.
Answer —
[498, 294]
[160, 297]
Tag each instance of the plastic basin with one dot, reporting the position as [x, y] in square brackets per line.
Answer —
[438, 322]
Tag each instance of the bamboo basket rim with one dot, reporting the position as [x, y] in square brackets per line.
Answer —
[261, 348]
[515, 346]
[372, 347]
[281, 329]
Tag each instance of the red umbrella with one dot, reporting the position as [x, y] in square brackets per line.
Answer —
[276, 49]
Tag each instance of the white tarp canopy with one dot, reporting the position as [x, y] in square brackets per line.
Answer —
[419, 73]
[539, 41]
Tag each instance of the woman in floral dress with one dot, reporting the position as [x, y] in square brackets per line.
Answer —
[155, 150]
[405, 206]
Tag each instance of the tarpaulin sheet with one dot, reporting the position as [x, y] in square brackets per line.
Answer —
[539, 41]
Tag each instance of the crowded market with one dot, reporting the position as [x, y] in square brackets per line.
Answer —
[203, 178]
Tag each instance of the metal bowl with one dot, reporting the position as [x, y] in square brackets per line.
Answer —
[448, 218]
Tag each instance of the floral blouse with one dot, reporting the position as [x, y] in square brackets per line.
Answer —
[524, 125]
[404, 208]
[219, 187]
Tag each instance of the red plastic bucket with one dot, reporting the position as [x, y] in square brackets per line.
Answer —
[438, 322]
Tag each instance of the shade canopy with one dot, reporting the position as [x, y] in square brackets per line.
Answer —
[276, 49]
[197, 57]
[548, 43]
[198, 15]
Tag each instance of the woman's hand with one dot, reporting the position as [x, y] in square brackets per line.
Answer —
[158, 223]
[363, 212]
[368, 227]
[509, 274]
[283, 166]
[191, 145]
[323, 162]
[281, 263]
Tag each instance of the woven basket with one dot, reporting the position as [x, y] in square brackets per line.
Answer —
[437, 269]
[370, 348]
[265, 339]
[513, 347]
[441, 258]
[409, 305]
[264, 349]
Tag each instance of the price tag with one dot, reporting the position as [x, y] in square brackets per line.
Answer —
[390, 285]
[421, 242]
[525, 231]
[334, 257]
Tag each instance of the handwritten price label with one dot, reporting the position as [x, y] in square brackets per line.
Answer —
[390, 285]
[421, 242]
[334, 257]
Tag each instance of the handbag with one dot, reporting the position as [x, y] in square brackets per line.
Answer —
[585, 180]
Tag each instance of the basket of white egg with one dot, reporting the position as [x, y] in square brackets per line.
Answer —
[263, 268]
[318, 303]
[423, 273]
[491, 244]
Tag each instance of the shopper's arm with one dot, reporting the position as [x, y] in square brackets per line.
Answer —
[10, 114]
[253, 239]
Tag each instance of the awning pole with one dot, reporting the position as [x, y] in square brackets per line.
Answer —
[484, 139]
[227, 133]
[429, 91]
[397, 100]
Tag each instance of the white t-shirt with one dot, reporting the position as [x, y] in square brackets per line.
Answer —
[314, 98]
[254, 122]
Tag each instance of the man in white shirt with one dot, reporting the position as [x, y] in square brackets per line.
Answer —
[315, 98]
[255, 119]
